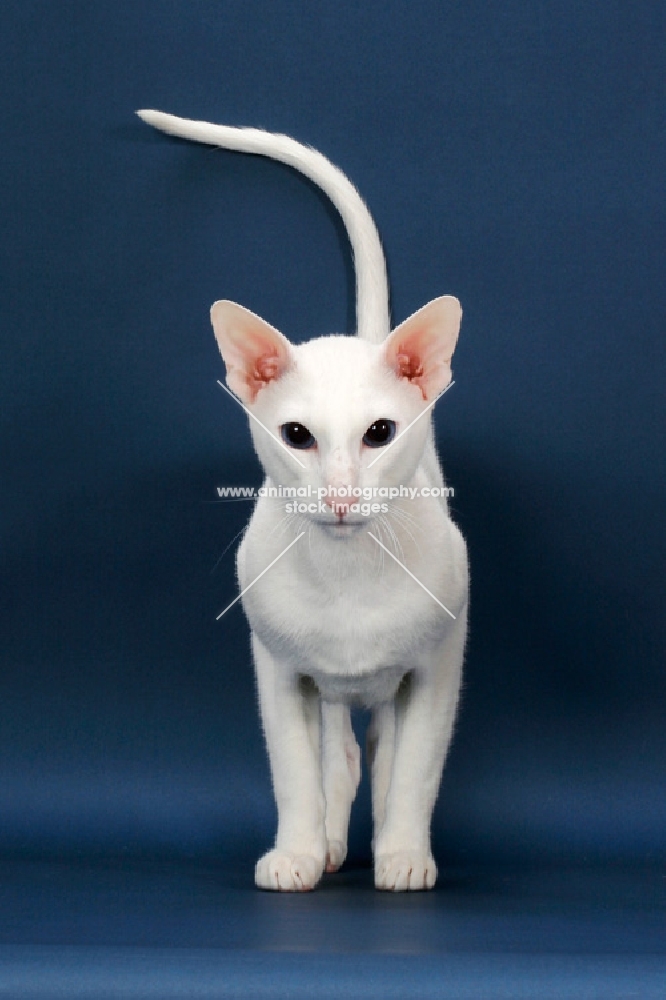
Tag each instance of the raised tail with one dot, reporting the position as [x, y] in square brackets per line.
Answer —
[372, 302]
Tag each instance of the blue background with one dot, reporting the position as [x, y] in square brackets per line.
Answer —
[512, 154]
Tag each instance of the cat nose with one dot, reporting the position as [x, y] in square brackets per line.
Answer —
[338, 498]
[339, 486]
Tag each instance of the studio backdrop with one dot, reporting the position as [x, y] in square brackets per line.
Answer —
[512, 155]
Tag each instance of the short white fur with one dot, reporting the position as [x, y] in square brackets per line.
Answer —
[335, 622]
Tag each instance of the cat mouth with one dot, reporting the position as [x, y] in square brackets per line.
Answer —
[342, 526]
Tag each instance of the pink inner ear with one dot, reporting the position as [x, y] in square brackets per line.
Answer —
[266, 369]
[253, 368]
[254, 352]
[420, 349]
[409, 366]
[415, 357]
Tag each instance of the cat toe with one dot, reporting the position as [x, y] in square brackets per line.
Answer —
[336, 854]
[283, 872]
[405, 871]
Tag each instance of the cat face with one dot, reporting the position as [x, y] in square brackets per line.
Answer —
[334, 403]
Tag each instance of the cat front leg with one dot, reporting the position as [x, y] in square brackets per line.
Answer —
[341, 772]
[425, 712]
[290, 717]
[380, 750]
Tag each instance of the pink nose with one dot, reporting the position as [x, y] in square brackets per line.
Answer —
[338, 504]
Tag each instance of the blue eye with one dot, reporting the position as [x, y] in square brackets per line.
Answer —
[379, 433]
[297, 436]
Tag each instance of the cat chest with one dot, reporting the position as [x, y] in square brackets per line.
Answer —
[367, 689]
[354, 647]
[354, 661]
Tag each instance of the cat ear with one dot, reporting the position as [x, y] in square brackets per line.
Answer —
[254, 352]
[421, 348]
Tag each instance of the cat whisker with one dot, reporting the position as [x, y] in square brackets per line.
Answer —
[310, 540]
[406, 522]
[380, 551]
[229, 500]
[393, 537]
[282, 525]
[227, 547]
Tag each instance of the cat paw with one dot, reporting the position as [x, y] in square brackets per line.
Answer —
[284, 872]
[335, 855]
[405, 871]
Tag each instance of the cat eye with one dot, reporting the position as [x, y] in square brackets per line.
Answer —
[379, 433]
[297, 436]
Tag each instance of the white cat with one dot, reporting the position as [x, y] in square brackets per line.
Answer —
[357, 608]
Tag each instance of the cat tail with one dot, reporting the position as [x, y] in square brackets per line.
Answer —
[372, 301]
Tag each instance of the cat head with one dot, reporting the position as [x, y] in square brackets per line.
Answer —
[325, 409]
